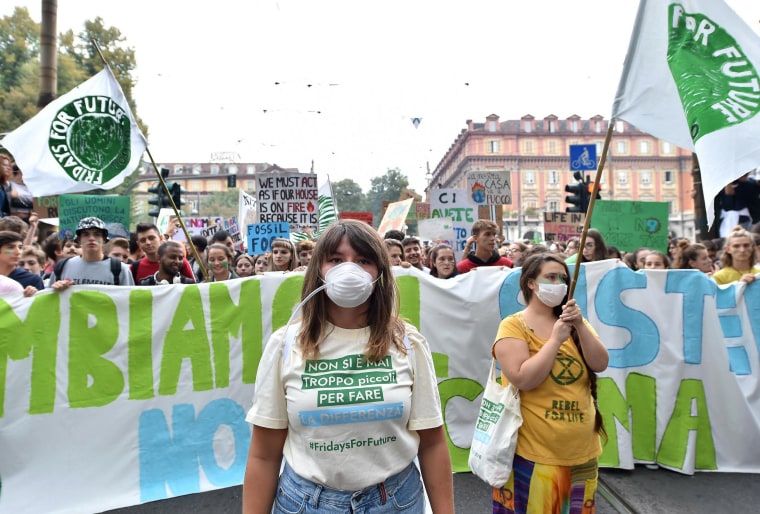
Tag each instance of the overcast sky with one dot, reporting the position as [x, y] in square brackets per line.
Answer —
[338, 82]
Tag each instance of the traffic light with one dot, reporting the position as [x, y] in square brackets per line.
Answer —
[590, 190]
[159, 199]
[579, 198]
[176, 190]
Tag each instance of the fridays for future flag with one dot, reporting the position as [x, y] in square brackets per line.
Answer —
[86, 139]
[691, 77]
[328, 214]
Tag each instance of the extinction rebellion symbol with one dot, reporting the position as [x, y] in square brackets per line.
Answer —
[90, 138]
[717, 83]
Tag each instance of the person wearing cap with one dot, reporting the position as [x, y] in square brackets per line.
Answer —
[92, 267]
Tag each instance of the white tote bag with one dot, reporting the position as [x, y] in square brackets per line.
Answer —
[495, 438]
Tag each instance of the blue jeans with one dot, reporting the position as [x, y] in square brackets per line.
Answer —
[400, 493]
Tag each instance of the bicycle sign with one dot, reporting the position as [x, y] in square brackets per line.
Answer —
[582, 157]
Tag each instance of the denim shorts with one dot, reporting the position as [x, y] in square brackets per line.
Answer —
[400, 493]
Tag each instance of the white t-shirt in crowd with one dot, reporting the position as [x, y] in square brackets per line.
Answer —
[351, 423]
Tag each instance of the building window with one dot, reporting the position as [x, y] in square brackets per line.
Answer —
[528, 147]
[552, 126]
[668, 177]
[214, 185]
[250, 185]
[232, 169]
[622, 177]
[646, 178]
[551, 147]
[178, 169]
[196, 169]
[553, 177]
[619, 126]
[553, 206]
[667, 148]
[574, 125]
[644, 147]
[493, 146]
[621, 148]
[215, 169]
[491, 126]
[597, 126]
[250, 169]
[530, 177]
[527, 126]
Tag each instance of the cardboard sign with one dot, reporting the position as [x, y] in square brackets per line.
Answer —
[114, 210]
[287, 197]
[561, 226]
[489, 187]
[366, 217]
[261, 235]
[395, 216]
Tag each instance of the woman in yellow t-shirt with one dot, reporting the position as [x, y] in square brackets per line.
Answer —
[551, 354]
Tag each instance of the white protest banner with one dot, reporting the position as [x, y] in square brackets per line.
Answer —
[114, 396]
[454, 204]
[288, 197]
[489, 187]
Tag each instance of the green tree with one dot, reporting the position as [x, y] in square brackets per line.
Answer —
[387, 187]
[349, 196]
[19, 44]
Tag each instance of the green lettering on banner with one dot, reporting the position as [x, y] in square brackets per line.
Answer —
[186, 339]
[286, 297]
[452, 388]
[241, 321]
[140, 345]
[37, 336]
[93, 331]
[691, 396]
[409, 292]
[641, 403]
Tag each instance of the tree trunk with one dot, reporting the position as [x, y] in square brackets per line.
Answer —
[48, 53]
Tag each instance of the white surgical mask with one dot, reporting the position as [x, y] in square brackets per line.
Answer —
[551, 295]
[348, 285]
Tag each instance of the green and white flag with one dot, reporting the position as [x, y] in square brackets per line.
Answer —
[691, 78]
[86, 139]
[328, 214]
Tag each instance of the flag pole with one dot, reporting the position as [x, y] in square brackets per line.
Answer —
[193, 249]
[590, 209]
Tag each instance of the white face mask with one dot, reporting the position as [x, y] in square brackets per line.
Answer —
[348, 285]
[551, 295]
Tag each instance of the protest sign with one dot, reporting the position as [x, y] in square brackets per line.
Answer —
[288, 197]
[489, 187]
[46, 207]
[174, 369]
[454, 204]
[629, 225]
[261, 235]
[438, 230]
[112, 209]
[246, 209]
[561, 226]
[395, 216]
[366, 217]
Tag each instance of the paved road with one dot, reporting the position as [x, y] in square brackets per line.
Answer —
[641, 491]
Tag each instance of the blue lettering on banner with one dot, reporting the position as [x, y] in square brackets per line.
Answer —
[731, 326]
[645, 337]
[175, 459]
[694, 288]
[345, 415]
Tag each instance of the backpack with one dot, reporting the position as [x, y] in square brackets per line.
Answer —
[115, 268]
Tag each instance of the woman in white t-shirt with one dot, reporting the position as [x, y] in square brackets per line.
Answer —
[348, 396]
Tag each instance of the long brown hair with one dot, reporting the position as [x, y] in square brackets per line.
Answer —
[386, 327]
[531, 268]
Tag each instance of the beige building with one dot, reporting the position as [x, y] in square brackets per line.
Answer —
[535, 153]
